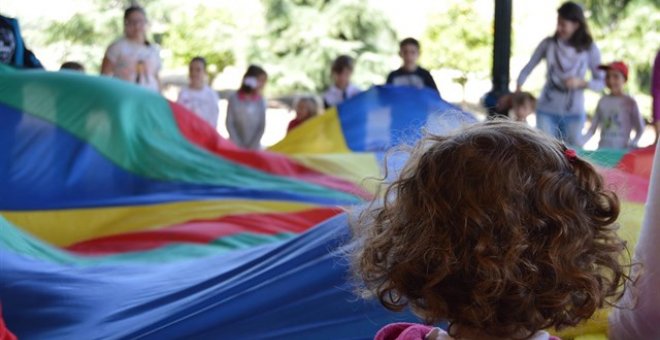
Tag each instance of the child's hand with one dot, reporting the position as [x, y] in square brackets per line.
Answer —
[574, 83]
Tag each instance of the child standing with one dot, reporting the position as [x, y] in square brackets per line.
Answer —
[342, 88]
[306, 108]
[246, 110]
[537, 248]
[197, 96]
[411, 74]
[617, 113]
[569, 53]
[132, 57]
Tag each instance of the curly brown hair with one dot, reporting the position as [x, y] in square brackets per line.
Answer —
[493, 229]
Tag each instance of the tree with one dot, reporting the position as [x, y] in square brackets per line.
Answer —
[628, 30]
[85, 36]
[606, 12]
[202, 31]
[303, 37]
[206, 32]
[455, 40]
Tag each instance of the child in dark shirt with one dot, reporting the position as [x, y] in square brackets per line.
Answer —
[411, 74]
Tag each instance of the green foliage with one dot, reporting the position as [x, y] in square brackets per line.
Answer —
[633, 38]
[78, 30]
[303, 37]
[82, 38]
[205, 32]
[455, 40]
[606, 12]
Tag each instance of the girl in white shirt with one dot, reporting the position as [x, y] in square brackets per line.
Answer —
[132, 57]
[197, 96]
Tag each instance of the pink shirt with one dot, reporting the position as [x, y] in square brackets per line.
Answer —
[413, 331]
[655, 88]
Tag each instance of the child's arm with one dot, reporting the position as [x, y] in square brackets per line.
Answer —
[597, 82]
[538, 54]
[260, 127]
[231, 120]
[390, 78]
[638, 123]
[215, 99]
[109, 60]
[430, 83]
[595, 122]
[640, 316]
[181, 98]
[107, 66]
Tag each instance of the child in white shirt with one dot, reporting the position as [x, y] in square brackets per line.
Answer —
[617, 113]
[132, 57]
[198, 97]
[341, 88]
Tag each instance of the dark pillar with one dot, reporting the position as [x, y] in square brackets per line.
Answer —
[501, 54]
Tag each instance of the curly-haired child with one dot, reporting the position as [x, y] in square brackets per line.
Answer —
[499, 230]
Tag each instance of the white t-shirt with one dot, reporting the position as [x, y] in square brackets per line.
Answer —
[203, 102]
[134, 62]
[334, 96]
[617, 116]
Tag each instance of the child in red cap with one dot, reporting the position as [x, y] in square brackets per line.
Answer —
[617, 113]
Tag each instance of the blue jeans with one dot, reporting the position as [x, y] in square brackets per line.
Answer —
[565, 128]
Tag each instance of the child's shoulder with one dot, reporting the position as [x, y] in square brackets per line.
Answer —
[210, 92]
[629, 98]
[396, 71]
[624, 100]
[118, 43]
[422, 70]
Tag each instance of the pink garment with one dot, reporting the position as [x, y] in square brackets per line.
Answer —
[639, 316]
[655, 88]
[414, 331]
[403, 331]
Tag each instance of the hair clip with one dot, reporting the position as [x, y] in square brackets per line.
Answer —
[570, 154]
[251, 82]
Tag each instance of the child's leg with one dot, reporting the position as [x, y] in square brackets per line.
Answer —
[571, 129]
[548, 123]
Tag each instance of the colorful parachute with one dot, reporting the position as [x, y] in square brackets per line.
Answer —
[126, 216]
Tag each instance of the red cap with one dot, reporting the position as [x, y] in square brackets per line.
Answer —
[617, 66]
